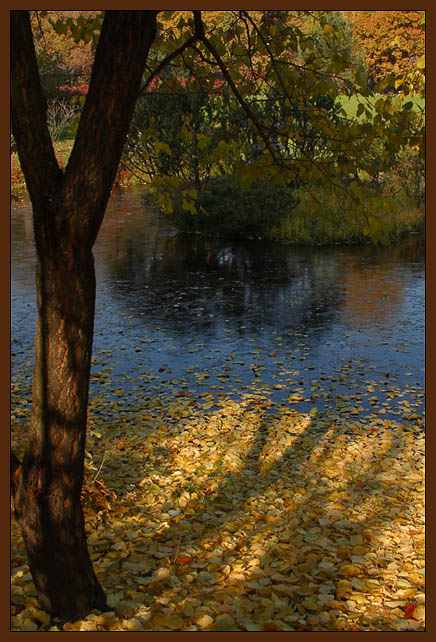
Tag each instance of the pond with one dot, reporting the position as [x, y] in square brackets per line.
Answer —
[340, 329]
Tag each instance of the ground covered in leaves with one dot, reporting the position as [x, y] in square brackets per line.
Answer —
[218, 513]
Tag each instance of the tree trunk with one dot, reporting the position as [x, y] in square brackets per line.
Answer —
[68, 209]
[47, 495]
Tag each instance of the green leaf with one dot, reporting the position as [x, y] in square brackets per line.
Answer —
[60, 27]
[203, 141]
[186, 133]
[222, 149]
[188, 206]
[75, 125]
[161, 147]
[239, 51]
[420, 63]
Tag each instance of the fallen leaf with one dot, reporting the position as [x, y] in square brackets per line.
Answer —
[409, 610]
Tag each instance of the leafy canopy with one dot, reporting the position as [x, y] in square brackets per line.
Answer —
[266, 79]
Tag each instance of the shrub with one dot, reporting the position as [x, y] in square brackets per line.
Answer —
[227, 209]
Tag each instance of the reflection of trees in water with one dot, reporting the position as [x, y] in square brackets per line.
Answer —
[180, 280]
[407, 251]
[192, 284]
[373, 279]
[372, 299]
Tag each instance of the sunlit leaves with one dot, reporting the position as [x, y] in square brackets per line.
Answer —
[162, 147]
[390, 39]
[165, 201]
[292, 135]
[86, 29]
[189, 206]
[235, 515]
[420, 63]
[289, 54]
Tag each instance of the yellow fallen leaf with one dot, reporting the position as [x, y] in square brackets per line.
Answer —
[419, 613]
[204, 622]
[356, 540]
[305, 590]
[358, 550]
[350, 570]
[163, 573]
[323, 541]
[42, 616]
[106, 619]
[29, 625]
[87, 626]
[343, 593]
[271, 518]
[310, 603]
[134, 624]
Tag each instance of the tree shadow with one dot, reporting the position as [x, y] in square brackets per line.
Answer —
[290, 522]
[299, 517]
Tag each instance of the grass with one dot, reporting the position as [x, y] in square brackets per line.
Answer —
[325, 225]
[350, 103]
[62, 150]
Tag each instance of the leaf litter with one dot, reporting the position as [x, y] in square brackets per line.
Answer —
[206, 512]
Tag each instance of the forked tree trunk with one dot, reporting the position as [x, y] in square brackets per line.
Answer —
[68, 209]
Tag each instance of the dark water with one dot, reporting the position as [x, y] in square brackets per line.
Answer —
[338, 326]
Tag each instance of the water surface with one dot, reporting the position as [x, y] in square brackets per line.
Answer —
[330, 328]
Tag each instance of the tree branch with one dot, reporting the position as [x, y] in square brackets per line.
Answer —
[166, 61]
[29, 124]
[274, 63]
[224, 71]
[212, 63]
[122, 50]
[174, 54]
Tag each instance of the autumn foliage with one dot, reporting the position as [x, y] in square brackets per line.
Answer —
[392, 40]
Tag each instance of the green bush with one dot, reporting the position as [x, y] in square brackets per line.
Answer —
[227, 209]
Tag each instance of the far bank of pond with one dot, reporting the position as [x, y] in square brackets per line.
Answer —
[336, 329]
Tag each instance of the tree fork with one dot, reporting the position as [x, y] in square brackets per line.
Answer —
[68, 209]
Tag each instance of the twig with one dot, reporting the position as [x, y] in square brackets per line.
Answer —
[189, 43]
[102, 461]
[178, 548]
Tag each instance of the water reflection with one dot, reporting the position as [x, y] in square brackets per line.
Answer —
[190, 283]
[199, 283]
[304, 311]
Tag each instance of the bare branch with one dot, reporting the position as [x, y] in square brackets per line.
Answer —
[203, 57]
[39, 25]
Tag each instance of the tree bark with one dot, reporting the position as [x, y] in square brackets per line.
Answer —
[68, 209]
[47, 495]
